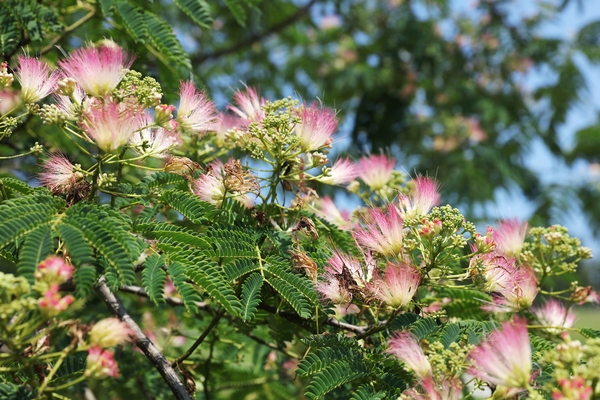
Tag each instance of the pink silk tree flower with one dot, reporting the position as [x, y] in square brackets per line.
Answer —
[343, 171]
[554, 315]
[35, 78]
[327, 209]
[510, 236]
[196, 112]
[384, 234]
[340, 262]
[59, 174]
[406, 347]
[505, 357]
[376, 171]
[109, 332]
[53, 270]
[316, 127]
[423, 198]
[522, 288]
[250, 105]
[98, 70]
[397, 286]
[9, 100]
[101, 363]
[111, 125]
[73, 105]
[449, 389]
[333, 290]
[495, 268]
[153, 141]
[52, 303]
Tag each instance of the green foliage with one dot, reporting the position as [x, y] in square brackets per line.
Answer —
[189, 295]
[36, 247]
[10, 391]
[154, 277]
[197, 10]
[251, 296]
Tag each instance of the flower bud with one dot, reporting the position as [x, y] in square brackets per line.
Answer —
[66, 86]
[6, 78]
[101, 363]
[109, 332]
[53, 270]
[52, 303]
[164, 115]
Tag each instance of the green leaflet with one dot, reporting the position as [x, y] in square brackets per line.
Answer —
[189, 295]
[38, 245]
[197, 10]
[251, 295]
[154, 277]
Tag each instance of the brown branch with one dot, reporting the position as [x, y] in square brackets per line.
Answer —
[290, 316]
[169, 300]
[142, 341]
[257, 37]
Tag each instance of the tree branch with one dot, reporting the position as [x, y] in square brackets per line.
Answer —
[142, 341]
[169, 300]
[199, 341]
[257, 37]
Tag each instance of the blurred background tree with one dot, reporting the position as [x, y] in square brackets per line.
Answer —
[443, 91]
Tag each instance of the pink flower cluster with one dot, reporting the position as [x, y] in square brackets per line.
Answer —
[513, 284]
[100, 363]
[405, 346]
[53, 271]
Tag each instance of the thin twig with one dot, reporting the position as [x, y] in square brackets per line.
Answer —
[174, 301]
[199, 341]
[142, 341]
[257, 37]
[68, 29]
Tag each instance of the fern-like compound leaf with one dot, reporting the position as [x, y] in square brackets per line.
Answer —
[38, 245]
[251, 296]
[197, 10]
[154, 277]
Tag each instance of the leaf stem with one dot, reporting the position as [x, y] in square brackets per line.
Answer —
[199, 341]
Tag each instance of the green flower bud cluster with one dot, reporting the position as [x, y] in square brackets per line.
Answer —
[51, 114]
[146, 90]
[14, 297]
[553, 251]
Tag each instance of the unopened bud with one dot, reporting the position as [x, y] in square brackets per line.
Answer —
[66, 87]
[164, 115]
[6, 78]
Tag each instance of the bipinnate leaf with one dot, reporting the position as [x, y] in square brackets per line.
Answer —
[251, 295]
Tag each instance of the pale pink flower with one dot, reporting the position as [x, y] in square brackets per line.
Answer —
[343, 171]
[522, 288]
[510, 236]
[406, 347]
[333, 290]
[111, 125]
[572, 388]
[495, 268]
[52, 303]
[196, 113]
[316, 127]
[98, 70]
[35, 78]
[109, 332]
[101, 363]
[9, 99]
[397, 286]
[328, 210]
[73, 105]
[449, 389]
[505, 357]
[250, 105]
[226, 122]
[554, 314]
[383, 234]
[340, 262]
[423, 198]
[153, 141]
[54, 270]
[376, 171]
[211, 186]
[59, 174]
